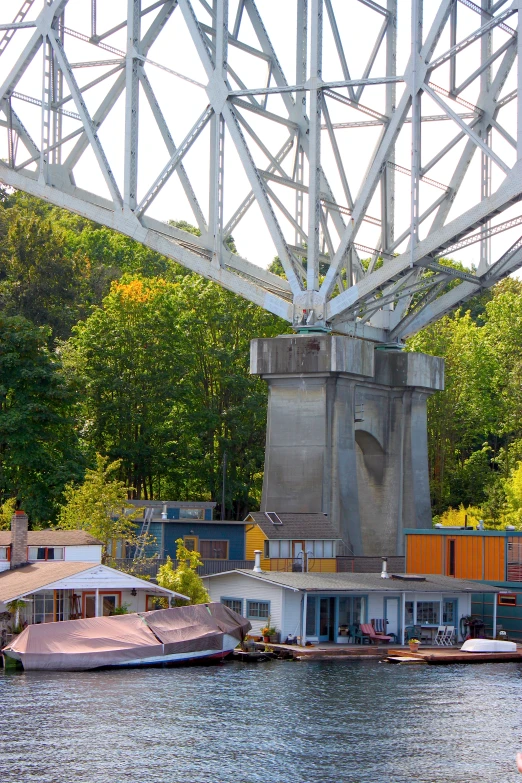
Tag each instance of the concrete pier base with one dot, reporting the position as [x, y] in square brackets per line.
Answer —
[347, 435]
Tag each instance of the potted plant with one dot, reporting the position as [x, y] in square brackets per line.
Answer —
[414, 644]
[267, 632]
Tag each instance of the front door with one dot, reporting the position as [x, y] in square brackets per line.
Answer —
[326, 619]
[392, 614]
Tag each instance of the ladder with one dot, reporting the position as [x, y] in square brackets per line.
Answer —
[145, 528]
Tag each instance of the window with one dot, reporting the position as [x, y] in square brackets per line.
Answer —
[319, 548]
[428, 612]
[213, 550]
[4, 553]
[408, 613]
[311, 610]
[277, 549]
[43, 607]
[449, 611]
[266, 552]
[153, 602]
[258, 610]
[507, 599]
[350, 611]
[45, 553]
[109, 601]
[236, 604]
[192, 513]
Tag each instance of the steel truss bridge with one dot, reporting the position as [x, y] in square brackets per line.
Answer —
[366, 139]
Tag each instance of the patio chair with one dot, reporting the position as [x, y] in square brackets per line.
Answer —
[368, 630]
[449, 637]
[440, 636]
[379, 626]
[358, 637]
[412, 632]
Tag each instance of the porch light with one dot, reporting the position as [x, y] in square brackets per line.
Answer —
[134, 592]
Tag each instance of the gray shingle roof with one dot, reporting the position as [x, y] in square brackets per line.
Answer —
[308, 527]
[337, 582]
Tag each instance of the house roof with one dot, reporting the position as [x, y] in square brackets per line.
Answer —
[308, 527]
[363, 583]
[53, 538]
[31, 578]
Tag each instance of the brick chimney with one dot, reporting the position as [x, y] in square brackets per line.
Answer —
[19, 522]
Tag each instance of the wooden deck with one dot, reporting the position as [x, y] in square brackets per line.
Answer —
[430, 655]
[448, 655]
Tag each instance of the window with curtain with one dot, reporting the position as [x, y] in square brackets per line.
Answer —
[46, 553]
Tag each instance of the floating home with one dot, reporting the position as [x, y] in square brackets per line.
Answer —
[492, 557]
[322, 607]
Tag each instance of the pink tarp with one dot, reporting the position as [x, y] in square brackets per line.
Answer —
[112, 641]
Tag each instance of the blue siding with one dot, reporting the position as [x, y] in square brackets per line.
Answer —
[208, 514]
[234, 534]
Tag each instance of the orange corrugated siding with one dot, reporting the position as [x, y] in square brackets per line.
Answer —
[468, 557]
[424, 554]
[476, 557]
[494, 561]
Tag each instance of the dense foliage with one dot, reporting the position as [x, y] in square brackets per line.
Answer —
[475, 425]
[147, 364]
[108, 348]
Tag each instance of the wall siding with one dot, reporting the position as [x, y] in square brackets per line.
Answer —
[234, 534]
[246, 588]
[424, 554]
[83, 554]
[495, 565]
[255, 539]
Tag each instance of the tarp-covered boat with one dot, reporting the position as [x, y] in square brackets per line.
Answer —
[165, 636]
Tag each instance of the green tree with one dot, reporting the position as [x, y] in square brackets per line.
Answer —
[184, 579]
[6, 512]
[99, 505]
[39, 450]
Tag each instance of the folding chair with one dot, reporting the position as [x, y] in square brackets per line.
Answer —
[440, 636]
[449, 636]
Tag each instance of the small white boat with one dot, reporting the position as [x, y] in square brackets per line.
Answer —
[488, 646]
[165, 636]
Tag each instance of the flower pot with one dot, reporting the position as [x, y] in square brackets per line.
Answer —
[414, 647]
[266, 639]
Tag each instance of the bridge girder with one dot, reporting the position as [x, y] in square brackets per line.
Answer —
[240, 131]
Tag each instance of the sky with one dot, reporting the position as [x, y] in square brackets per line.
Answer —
[182, 102]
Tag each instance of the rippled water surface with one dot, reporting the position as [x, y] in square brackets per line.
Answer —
[280, 722]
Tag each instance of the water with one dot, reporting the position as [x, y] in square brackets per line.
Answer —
[316, 722]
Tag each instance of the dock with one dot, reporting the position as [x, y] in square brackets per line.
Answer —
[328, 651]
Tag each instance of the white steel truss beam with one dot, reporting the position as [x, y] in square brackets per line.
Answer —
[292, 135]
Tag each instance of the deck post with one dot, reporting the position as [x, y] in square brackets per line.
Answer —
[97, 603]
[303, 627]
[494, 616]
[403, 618]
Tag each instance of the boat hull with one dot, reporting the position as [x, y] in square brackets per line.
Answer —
[488, 646]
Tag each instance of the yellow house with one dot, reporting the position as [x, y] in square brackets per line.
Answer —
[292, 542]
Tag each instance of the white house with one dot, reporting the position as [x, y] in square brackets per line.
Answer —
[52, 546]
[324, 607]
[58, 575]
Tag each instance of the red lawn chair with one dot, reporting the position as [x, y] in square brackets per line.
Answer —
[367, 629]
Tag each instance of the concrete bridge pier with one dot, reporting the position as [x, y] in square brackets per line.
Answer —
[347, 435]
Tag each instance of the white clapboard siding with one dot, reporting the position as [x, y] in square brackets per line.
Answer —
[83, 554]
[243, 588]
[292, 610]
